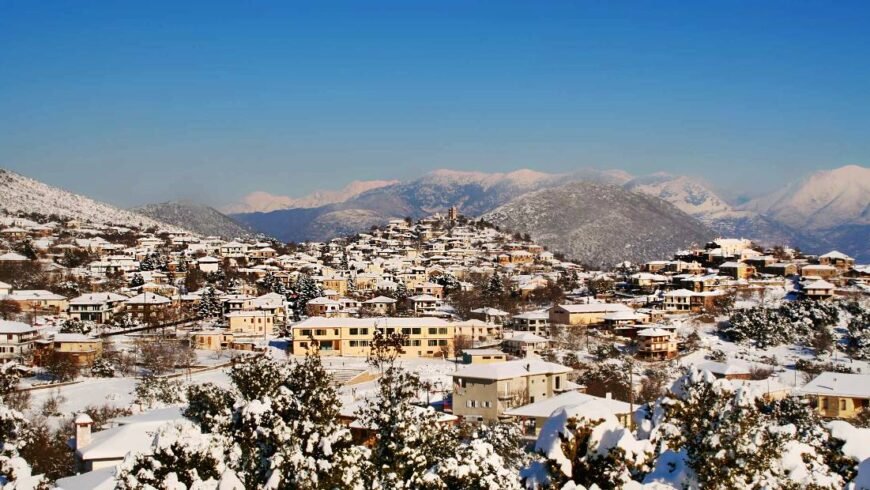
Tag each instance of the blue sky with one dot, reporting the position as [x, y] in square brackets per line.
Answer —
[134, 102]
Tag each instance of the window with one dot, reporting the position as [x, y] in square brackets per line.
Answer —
[320, 332]
[558, 382]
[432, 343]
[305, 332]
[825, 403]
[433, 331]
[442, 342]
[415, 331]
[442, 331]
[406, 331]
[354, 331]
[842, 404]
[363, 331]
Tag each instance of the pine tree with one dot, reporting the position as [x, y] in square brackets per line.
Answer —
[209, 305]
[306, 290]
[279, 425]
[409, 440]
[137, 280]
[15, 435]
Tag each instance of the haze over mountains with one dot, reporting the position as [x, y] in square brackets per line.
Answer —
[827, 210]
[838, 197]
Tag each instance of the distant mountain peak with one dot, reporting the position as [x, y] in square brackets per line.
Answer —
[264, 202]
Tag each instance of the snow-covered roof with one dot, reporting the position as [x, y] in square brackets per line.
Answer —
[380, 300]
[526, 337]
[836, 254]
[581, 401]
[819, 284]
[595, 307]
[148, 298]
[511, 369]
[10, 327]
[842, 384]
[490, 311]
[654, 332]
[73, 337]
[101, 479]
[96, 298]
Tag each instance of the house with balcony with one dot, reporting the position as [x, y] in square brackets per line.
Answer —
[96, 307]
[656, 344]
[16, 339]
[482, 392]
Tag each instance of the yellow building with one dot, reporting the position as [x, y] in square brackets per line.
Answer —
[80, 349]
[211, 339]
[251, 322]
[337, 284]
[839, 395]
[426, 337]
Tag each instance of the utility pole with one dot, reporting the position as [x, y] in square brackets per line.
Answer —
[631, 396]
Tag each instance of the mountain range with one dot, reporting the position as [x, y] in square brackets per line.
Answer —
[825, 211]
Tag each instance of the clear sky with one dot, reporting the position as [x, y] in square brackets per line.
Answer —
[140, 101]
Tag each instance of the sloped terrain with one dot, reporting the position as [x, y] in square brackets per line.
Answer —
[601, 224]
[23, 194]
[196, 218]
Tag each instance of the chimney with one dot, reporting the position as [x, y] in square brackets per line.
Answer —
[83, 423]
[608, 395]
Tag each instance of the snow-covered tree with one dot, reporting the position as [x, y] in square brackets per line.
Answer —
[278, 426]
[74, 325]
[182, 455]
[137, 280]
[154, 391]
[15, 434]
[409, 439]
[306, 290]
[209, 305]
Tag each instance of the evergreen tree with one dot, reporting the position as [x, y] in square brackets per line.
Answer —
[137, 280]
[209, 305]
[306, 290]
[278, 426]
[409, 440]
[15, 435]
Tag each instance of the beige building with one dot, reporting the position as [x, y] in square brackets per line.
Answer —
[483, 356]
[583, 314]
[80, 349]
[484, 391]
[39, 301]
[16, 339]
[426, 337]
[656, 344]
[251, 322]
[839, 395]
[211, 339]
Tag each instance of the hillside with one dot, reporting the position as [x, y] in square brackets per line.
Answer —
[601, 224]
[23, 194]
[196, 218]
[473, 192]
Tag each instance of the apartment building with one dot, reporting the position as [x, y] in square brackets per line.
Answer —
[484, 391]
[426, 337]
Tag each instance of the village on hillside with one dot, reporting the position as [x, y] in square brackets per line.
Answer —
[438, 353]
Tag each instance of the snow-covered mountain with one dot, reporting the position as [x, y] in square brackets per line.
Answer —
[823, 200]
[264, 202]
[697, 199]
[601, 224]
[473, 192]
[687, 194]
[197, 218]
[20, 194]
